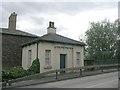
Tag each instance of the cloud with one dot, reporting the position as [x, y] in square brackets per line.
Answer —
[71, 18]
[53, 7]
[60, 0]
[50, 8]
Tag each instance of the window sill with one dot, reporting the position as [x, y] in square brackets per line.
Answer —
[48, 67]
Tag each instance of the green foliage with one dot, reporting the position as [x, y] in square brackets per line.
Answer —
[102, 40]
[13, 73]
[35, 67]
[18, 72]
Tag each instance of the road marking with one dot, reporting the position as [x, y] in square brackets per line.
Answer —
[101, 84]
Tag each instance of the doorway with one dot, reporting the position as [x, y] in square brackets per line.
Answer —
[62, 62]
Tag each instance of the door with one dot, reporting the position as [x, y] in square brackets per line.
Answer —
[62, 61]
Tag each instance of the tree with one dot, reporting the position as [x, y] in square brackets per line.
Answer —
[101, 40]
[118, 42]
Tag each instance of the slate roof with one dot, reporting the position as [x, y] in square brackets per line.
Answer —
[16, 32]
[55, 38]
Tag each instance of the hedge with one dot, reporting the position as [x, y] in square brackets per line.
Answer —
[18, 72]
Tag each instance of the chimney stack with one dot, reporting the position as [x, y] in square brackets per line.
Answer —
[12, 21]
[51, 28]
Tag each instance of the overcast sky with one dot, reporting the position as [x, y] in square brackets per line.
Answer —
[71, 18]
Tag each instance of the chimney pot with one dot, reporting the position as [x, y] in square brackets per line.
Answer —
[51, 28]
[51, 24]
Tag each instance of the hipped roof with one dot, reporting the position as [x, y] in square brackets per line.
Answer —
[55, 38]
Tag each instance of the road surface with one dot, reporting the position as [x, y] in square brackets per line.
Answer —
[108, 80]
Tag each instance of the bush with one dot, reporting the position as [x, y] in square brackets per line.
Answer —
[13, 73]
[35, 67]
[18, 72]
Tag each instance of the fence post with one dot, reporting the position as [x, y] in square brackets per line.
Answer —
[101, 69]
[117, 67]
[56, 74]
[80, 71]
[9, 83]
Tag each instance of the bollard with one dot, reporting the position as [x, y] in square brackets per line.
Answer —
[56, 74]
[80, 71]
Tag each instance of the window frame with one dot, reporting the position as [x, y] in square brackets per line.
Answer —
[29, 57]
[78, 55]
[48, 57]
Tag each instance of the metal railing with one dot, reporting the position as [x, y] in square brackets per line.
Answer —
[56, 73]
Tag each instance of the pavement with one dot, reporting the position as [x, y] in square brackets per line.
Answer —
[108, 80]
[51, 79]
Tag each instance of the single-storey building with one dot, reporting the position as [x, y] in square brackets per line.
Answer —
[53, 51]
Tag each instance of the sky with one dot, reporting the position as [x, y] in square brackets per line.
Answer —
[71, 18]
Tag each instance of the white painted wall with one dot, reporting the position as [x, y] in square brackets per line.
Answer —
[25, 55]
[41, 54]
[56, 50]
[81, 50]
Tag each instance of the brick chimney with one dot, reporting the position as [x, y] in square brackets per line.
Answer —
[51, 28]
[12, 21]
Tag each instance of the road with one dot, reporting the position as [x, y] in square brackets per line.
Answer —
[108, 80]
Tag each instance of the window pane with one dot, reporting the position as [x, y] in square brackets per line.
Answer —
[29, 57]
[78, 58]
[47, 57]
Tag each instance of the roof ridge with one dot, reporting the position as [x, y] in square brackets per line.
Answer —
[60, 36]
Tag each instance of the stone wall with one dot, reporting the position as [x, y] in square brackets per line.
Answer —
[12, 50]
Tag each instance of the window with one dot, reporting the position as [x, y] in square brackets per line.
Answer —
[29, 57]
[48, 57]
[78, 58]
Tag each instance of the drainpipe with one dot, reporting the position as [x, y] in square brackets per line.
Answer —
[37, 51]
[72, 58]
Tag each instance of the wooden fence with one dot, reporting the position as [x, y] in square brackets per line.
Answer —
[58, 72]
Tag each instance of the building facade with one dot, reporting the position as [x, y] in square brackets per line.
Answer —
[53, 51]
[12, 40]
